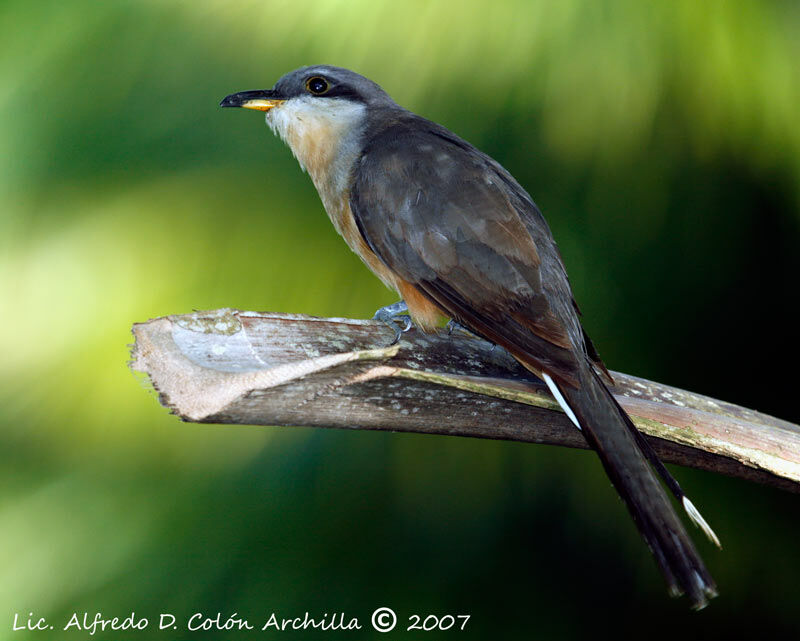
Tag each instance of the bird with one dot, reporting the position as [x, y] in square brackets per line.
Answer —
[456, 236]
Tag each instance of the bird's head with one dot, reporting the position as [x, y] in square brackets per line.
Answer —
[321, 112]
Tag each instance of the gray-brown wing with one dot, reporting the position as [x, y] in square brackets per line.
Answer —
[452, 222]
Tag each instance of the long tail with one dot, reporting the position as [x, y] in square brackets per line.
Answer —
[625, 454]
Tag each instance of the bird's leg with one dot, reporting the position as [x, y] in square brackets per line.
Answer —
[453, 326]
[395, 316]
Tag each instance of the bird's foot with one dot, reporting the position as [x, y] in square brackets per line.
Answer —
[454, 326]
[396, 317]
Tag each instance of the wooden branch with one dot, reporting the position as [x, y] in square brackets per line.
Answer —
[228, 366]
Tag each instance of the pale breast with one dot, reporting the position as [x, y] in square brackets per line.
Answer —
[344, 222]
[325, 137]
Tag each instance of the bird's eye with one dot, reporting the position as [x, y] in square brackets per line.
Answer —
[317, 85]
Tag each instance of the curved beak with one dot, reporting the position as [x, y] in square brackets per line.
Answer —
[260, 99]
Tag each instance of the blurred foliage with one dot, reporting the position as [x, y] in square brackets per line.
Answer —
[661, 139]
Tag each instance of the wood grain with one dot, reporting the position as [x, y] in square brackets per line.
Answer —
[230, 366]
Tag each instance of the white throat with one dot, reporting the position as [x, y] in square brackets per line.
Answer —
[324, 135]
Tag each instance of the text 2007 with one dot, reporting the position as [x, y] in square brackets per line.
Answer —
[433, 622]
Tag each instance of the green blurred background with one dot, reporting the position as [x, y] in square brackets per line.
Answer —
[662, 141]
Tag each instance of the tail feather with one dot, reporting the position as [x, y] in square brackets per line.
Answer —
[673, 485]
[627, 459]
[551, 384]
[699, 521]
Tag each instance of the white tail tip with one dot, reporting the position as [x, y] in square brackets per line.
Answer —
[700, 522]
[560, 399]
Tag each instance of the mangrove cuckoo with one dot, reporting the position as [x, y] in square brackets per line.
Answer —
[456, 236]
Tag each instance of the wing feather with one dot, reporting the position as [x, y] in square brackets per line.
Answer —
[449, 220]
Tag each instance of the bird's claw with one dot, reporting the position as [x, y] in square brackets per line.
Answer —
[453, 326]
[396, 317]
